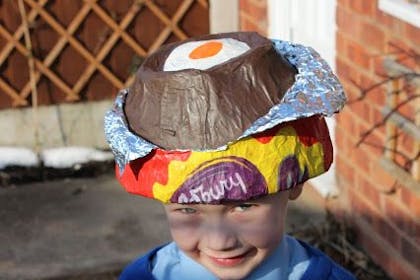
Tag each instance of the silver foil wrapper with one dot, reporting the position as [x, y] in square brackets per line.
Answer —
[316, 91]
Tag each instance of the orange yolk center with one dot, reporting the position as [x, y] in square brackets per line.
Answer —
[206, 50]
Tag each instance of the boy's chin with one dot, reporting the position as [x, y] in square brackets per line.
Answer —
[230, 274]
[236, 272]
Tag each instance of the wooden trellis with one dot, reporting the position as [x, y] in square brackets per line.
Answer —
[411, 178]
[115, 30]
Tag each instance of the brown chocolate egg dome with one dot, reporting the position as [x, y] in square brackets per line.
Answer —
[195, 107]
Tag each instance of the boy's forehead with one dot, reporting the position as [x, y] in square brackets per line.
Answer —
[264, 199]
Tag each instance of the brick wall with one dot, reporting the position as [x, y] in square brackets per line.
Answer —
[385, 212]
[253, 16]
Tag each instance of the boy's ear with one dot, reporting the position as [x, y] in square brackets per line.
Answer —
[295, 192]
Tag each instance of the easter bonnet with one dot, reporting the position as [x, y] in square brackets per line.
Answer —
[224, 117]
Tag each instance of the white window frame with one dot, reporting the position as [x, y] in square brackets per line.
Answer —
[402, 9]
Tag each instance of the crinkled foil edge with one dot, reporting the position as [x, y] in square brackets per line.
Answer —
[316, 91]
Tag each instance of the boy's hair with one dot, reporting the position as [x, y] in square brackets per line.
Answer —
[248, 125]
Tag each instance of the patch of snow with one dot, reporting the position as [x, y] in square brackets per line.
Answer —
[63, 157]
[66, 157]
[14, 156]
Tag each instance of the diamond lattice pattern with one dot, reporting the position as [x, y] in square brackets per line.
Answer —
[87, 50]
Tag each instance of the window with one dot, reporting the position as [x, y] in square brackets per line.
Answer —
[397, 126]
[405, 10]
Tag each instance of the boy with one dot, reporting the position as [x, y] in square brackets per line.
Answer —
[224, 129]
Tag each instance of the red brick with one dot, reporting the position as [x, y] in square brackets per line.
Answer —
[379, 69]
[416, 229]
[351, 158]
[364, 7]
[371, 243]
[373, 144]
[380, 133]
[360, 209]
[343, 68]
[411, 202]
[382, 254]
[399, 50]
[388, 232]
[343, 144]
[260, 3]
[344, 170]
[398, 269]
[343, 3]
[373, 37]
[376, 116]
[382, 180]
[362, 128]
[369, 80]
[346, 121]
[401, 160]
[408, 61]
[248, 25]
[398, 45]
[349, 76]
[257, 11]
[348, 22]
[362, 159]
[412, 34]
[406, 149]
[411, 252]
[369, 224]
[375, 93]
[357, 54]
[386, 20]
[340, 142]
[369, 191]
[362, 109]
[406, 145]
[373, 149]
[352, 92]
[407, 109]
[396, 214]
[341, 43]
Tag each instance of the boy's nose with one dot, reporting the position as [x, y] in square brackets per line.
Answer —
[219, 237]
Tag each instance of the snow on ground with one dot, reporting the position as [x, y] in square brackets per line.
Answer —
[63, 157]
[17, 157]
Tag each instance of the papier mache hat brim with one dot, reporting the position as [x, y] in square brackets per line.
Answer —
[224, 117]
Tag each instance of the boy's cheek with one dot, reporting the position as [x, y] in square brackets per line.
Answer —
[263, 236]
[181, 227]
[186, 238]
[183, 231]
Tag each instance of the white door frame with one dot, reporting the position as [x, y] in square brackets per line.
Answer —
[311, 23]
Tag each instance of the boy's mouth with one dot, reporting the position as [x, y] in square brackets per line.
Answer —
[229, 261]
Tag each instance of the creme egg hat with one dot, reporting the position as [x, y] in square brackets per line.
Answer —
[224, 117]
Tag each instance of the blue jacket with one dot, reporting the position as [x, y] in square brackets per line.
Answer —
[321, 267]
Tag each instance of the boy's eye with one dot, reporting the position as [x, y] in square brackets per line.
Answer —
[187, 210]
[243, 207]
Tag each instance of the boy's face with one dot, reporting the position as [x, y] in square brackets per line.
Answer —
[229, 239]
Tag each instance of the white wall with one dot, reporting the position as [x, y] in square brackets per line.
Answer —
[79, 124]
[224, 16]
